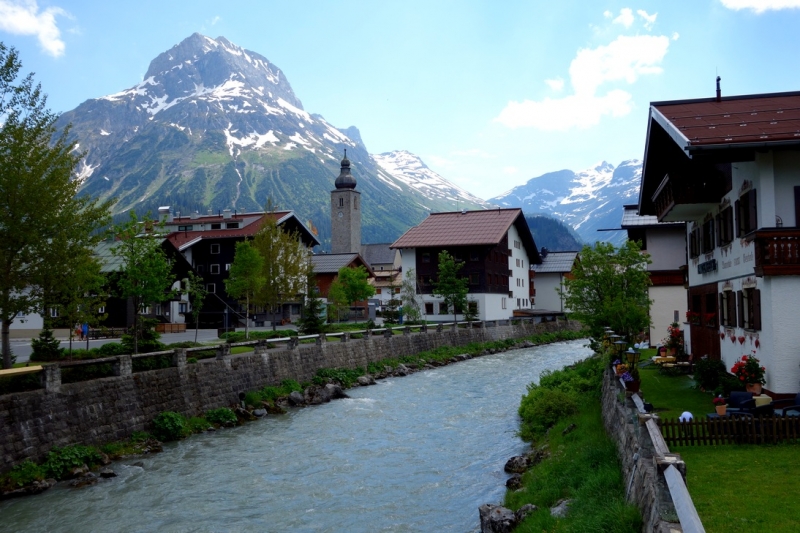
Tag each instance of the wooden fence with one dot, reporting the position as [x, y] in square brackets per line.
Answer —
[731, 430]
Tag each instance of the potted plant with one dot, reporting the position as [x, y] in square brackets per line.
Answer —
[631, 379]
[749, 371]
[674, 340]
[721, 405]
[621, 368]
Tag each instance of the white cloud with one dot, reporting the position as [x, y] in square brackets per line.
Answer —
[510, 170]
[759, 6]
[675, 36]
[22, 17]
[608, 14]
[625, 17]
[556, 84]
[623, 60]
[438, 161]
[649, 20]
[215, 20]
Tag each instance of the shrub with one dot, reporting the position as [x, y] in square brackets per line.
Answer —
[253, 399]
[61, 460]
[221, 417]
[191, 360]
[541, 408]
[46, 347]
[169, 426]
[23, 474]
[707, 373]
[198, 424]
[112, 348]
[344, 376]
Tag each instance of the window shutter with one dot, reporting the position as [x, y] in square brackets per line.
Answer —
[720, 238]
[731, 309]
[757, 309]
[753, 211]
[738, 219]
[720, 310]
[740, 306]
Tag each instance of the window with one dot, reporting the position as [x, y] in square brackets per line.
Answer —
[426, 257]
[341, 202]
[710, 317]
[474, 278]
[183, 308]
[201, 269]
[397, 290]
[749, 304]
[428, 308]
[378, 290]
[216, 225]
[227, 267]
[355, 202]
[213, 269]
[725, 226]
[211, 288]
[185, 228]
[215, 248]
[727, 309]
[503, 302]
[694, 243]
[53, 312]
[232, 225]
[708, 236]
[101, 310]
[746, 213]
[442, 308]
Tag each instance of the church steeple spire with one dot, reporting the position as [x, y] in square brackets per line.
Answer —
[345, 179]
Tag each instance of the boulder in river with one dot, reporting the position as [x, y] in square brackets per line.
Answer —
[107, 473]
[296, 399]
[365, 381]
[401, 370]
[260, 412]
[35, 487]
[514, 482]
[496, 519]
[517, 464]
[335, 392]
[84, 481]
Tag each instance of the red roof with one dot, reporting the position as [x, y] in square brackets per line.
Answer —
[460, 229]
[181, 238]
[736, 119]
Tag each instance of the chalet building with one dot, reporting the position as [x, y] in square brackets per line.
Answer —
[548, 278]
[665, 243]
[386, 271]
[208, 243]
[730, 168]
[496, 248]
[326, 268]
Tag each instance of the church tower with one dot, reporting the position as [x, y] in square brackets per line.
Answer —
[345, 213]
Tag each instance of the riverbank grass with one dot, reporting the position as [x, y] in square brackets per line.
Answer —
[582, 465]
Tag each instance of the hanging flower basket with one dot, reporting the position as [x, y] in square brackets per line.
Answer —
[742, 339]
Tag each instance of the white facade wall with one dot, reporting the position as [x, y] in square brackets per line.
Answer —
[666, 300]
[547, 297]
[519, 265]
[666, 247]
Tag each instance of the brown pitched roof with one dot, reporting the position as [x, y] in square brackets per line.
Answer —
[758, 118]
[469, 228]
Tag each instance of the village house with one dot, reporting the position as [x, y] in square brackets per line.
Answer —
[730, 168]
[386, 271]
[665, 243]
[548, 280]
[496, 248]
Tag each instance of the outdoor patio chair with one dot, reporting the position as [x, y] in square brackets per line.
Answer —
[791, 406]
[741, 402]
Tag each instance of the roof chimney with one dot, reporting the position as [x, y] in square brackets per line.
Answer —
[719, 91]
[544, 252]
[226, 213]
[164, 213]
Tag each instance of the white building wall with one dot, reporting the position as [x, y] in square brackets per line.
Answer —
[666, 300]
[547, 298]
[519, 265]
[666, 247]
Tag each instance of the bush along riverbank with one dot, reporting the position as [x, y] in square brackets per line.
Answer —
[571, 479]
[86, 465]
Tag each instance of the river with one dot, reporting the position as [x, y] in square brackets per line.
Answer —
[417, 453]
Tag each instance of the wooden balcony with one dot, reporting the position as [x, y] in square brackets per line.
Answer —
[679, 200]
[777, 251]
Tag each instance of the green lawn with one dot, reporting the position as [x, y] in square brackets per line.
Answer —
[734, 487]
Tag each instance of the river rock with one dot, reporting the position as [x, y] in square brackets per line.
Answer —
[517, 464]
[78, 471]
[36, 487]
[105, 460]
[365, 381]
[84, 481]
[514, 482]
[260, 413]
[244, 414]
[107, 473]
[335, 392]
[296, 399]
[496, 519]
[560, 509]
[401, 370]
[523, 512]
[569, 429]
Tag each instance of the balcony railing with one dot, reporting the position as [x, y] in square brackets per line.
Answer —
[777, 251]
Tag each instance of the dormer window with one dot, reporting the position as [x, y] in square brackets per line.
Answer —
[232, 225]
[216, 226]
[185, 228]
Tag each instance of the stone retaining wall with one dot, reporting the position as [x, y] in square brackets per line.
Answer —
[109, 409]
[648, 490]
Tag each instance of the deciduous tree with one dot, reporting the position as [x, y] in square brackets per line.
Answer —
[145, 275]
[408, 295]
[197, 292]
[609, 288]
[351, 285]
[246, 278]
[312, 321]
[449, 286]
[44, 225]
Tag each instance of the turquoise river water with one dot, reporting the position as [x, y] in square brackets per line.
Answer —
[418, 453]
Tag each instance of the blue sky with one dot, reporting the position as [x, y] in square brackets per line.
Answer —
[489, 94]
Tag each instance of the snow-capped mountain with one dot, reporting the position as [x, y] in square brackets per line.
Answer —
[588, 200]
[215, 126]
[409, 168]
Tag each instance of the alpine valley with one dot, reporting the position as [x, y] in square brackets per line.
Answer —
[214, 126]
